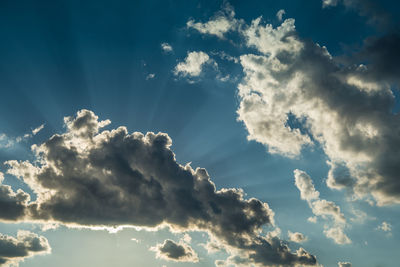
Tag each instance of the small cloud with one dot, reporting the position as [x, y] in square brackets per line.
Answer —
[337, 235]
[38, 129]
[193, 64]
[167, 48]
[297, 237]
[223, 22]
[135, 240]
[385, 227]
[172, 251]
[344, 264]
[150, 76]
[280, 14]
[312, 219]
[326, 3]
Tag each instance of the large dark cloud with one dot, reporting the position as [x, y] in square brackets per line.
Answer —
[111, 178]
[383, 56]
[26, 244]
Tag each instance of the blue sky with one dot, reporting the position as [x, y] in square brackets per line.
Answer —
[312, 89]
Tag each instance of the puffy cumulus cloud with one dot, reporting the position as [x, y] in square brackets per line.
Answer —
[25, 245]
[322, 208]
[344, 264]
[219, 25]
[167, 48]
[294, 94]
[91, 178]
[336, 234]
[171, 251]
[305, 185]
[193, 64]
[297, 237]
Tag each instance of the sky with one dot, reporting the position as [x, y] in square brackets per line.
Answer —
[199, 133]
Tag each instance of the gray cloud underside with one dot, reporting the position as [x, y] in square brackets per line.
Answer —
[26, 244]
[90, 177]
[172, 251]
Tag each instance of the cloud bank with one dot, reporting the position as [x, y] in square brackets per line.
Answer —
[294, 95]
[86, 177]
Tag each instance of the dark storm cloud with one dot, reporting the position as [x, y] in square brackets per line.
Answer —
[371, 9]
[169, 250]
[12, 204]
[383, 56]
[112, 178]
[26, 244]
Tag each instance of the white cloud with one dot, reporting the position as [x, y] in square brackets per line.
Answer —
[166, 47]
[385, 226]
[297, 237]
[37, 129]
[326, 3]
[150, 76]
[219, 25]
[193, 64]
[337, 234]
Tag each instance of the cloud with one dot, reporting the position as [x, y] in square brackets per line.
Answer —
[25, 245]
[326, 3]
[294, 95]
[323, 208]
[193, 64]
[371, 9]
[305, 185]
[172, 251]
[91, 178]
[297, 237]
[37, 129]
[279, 14]
[344, 264]
[219, 25]
[167, 48]
[385, 226]
[150, 76]
[337, 234]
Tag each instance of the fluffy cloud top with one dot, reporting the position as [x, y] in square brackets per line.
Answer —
[171, 251]
[297, 237]
[294, 95]
[193, 64]
[344, 264]
[87, 177]
[26, 244]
